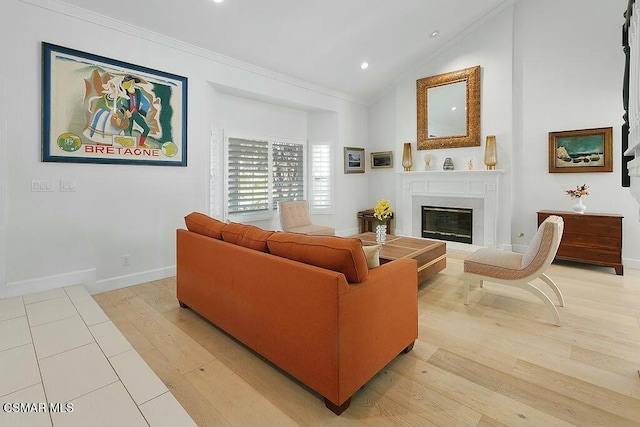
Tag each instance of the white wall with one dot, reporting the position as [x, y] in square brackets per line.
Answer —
[546, 66]
[3, 178]
[58, 238]
[382, 137]
[490, 46]
[351, 189]
[568, 67]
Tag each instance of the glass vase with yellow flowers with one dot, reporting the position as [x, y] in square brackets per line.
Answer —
[383, 211]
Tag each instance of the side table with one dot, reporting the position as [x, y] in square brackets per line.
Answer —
[367, 221]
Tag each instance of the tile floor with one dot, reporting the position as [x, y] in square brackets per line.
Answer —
[58, 347]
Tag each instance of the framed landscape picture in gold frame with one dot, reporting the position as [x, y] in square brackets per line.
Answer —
[585, 150]
[381, 159]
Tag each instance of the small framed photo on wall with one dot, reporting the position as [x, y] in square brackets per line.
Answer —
[353, 160]
[382, 159]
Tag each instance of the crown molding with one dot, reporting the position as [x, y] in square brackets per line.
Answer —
[66, 9]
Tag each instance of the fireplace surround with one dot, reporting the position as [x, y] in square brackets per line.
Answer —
[477, 190]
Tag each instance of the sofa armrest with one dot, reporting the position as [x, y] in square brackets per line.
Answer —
[378, 318]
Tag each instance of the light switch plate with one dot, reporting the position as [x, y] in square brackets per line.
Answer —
[42, 185]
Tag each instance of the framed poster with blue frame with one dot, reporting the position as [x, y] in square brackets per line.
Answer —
[100, 110]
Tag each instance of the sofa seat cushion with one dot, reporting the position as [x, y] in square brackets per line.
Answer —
[202, 224]
[344, 255]
[245, 235]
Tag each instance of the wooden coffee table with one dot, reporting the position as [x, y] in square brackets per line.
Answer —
[430, 254]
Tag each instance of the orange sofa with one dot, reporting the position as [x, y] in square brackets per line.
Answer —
[261, 287]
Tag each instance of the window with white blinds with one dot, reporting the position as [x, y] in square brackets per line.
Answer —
[247, 176]
[320, 187]
[288, 172]
[260, 173]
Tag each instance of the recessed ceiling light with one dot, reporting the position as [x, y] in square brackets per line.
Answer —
[218, 1]
[364, 65]
[434, 33]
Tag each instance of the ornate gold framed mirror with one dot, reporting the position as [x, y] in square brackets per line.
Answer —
[449, 110]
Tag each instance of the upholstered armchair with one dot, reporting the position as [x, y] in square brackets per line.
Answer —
[520, 270]
[294, 217]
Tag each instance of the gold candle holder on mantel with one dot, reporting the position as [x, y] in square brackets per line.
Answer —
[491, 153]
[407, 159]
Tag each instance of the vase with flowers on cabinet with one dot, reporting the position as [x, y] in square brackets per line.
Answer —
[579, 207]
[577, 195]
[382, 212]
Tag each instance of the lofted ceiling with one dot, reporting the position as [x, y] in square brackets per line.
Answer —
[319, 41]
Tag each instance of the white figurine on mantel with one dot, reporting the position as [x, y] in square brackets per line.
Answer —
[470, 164]
[427, 162]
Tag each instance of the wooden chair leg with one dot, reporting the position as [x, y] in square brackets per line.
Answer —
[554, 288]
[545, 299]
[337, 409]
[467, 285]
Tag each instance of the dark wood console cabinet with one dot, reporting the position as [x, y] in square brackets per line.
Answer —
[590, 238]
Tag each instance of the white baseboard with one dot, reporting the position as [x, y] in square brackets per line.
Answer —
[631, 263]
[131, 279]
[85, 277]
[23, 287]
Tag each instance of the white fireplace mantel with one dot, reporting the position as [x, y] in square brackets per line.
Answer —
[478, 187]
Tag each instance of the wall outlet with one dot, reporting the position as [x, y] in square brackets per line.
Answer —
[521, 234]
[67, 186]
[125, 260]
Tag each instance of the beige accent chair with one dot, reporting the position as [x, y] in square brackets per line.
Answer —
[520, 270]
[294, 217]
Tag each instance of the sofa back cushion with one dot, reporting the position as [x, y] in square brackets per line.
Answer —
[202, 224]
[344, 255]
[245, 235]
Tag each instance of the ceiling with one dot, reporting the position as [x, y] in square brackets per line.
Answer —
[321, 42]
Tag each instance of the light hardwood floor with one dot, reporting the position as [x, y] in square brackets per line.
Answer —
[499, 361]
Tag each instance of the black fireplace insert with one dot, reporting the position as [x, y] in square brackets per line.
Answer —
[447, 223]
